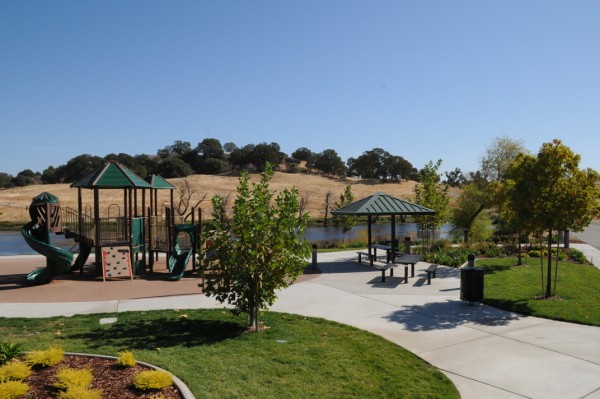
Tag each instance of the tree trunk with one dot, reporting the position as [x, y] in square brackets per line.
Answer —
[549, 274]
[556, 267]
[519, 256]
[473, 217]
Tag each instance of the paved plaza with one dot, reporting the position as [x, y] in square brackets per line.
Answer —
[486, 352]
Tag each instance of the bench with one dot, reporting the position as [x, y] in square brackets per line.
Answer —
[385, 266]
[431, 272]
[360, 254]
[366, 254]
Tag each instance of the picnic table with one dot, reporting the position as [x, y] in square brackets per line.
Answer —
[385, 248]
[407, 259]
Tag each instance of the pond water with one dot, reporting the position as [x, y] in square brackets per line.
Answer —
[359, 232]
[13, 243]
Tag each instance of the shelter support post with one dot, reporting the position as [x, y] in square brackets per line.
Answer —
[369, 239]
[394, 246]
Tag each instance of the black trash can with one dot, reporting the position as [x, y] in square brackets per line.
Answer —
[471, 284]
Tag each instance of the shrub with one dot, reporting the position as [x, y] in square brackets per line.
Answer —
[68, 378]
[14, 370]
[453, 257]
[577, 256]
[46, 358]
[440, 245]
[8, 351]
[126, 359]
[494, 251]
[152, 379]
[80, 393]
[536, 253]
[13, 389]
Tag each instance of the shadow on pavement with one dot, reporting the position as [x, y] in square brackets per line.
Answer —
[448, 315]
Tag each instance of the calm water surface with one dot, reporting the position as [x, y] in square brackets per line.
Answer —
[13, 243]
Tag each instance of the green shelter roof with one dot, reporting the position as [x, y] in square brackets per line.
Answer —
[382, 204]
[158, 182]
[112, 175]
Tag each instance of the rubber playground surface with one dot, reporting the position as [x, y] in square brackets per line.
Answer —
[86, 287]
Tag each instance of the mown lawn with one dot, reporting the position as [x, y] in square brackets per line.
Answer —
[518, 288]
[297, 357]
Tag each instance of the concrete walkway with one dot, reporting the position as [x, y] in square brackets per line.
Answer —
[486, 352]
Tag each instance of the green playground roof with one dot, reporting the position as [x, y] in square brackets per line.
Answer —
[382, 204]
[158, 182]
[45, 197]
[112, 175]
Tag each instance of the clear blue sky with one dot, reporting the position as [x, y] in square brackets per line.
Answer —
[422, 79]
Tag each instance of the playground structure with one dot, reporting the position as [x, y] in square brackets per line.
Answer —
[135, 233]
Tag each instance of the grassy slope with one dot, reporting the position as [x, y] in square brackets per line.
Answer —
[13, 202]
[297, 357]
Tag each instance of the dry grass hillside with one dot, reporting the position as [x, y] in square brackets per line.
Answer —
[313, 188]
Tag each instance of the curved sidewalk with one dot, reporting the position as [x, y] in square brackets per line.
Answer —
[486, 352]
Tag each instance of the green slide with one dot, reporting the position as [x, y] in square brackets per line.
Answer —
[57, 260]
[178, 261]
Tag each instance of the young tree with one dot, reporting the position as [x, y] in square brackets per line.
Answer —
[344, 223]
[260, 250]
[549, 192]
[431, 195]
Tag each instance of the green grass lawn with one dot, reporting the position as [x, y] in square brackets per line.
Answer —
[297, 357]
[517, 287]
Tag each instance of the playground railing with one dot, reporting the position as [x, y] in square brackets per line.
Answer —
[110, 230]
[77, 223]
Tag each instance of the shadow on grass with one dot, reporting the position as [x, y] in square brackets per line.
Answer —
[161, 333]
[450, 315]
[491, 269]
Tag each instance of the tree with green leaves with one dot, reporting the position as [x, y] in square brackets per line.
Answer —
[379, 164]
[469, 215]
[479, 194]
[259, 251]
[455, 178]
[329, 162]
[432, 195]
[550, 193]
[344, 222]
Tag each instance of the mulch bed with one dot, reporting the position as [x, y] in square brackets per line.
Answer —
[115, 382]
